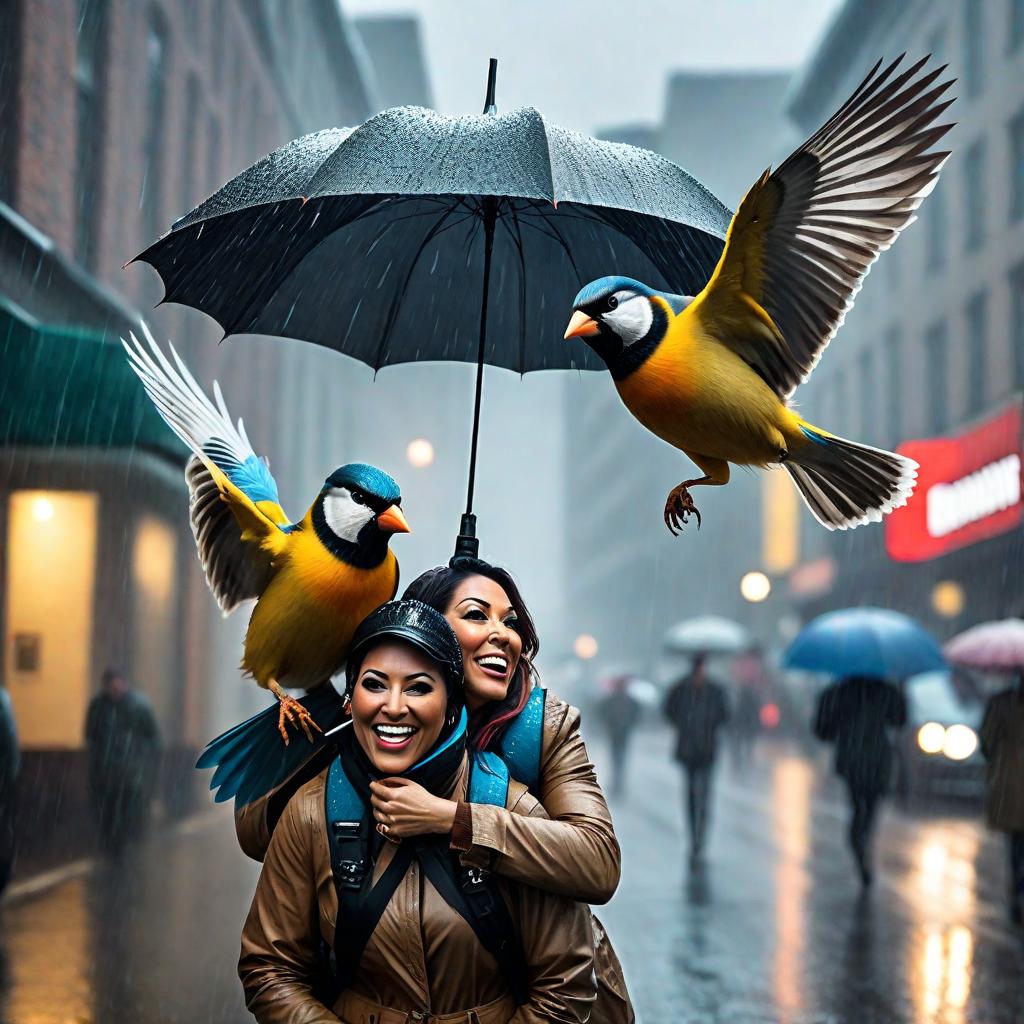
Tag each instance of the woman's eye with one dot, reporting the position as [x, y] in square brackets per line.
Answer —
[612, 302]
[476, 615]
[419, 689]
[371, 684]
[512, 624]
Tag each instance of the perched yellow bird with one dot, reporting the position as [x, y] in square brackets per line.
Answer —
[713, 375]
[315, 580]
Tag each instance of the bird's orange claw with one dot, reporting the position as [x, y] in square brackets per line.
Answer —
[291, 712]
[678, 508]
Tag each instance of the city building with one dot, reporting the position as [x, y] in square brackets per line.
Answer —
[116, 119]
[931, 358]
[628, 579]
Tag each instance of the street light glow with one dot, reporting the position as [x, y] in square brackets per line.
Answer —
[585, 646]
[961, 741]
[755, 587]
[948, 599]
[420, 453]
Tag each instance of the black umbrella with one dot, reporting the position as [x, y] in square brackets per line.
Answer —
[417, 237]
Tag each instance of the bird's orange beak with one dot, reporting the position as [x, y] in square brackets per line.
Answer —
[393, 521]
[581, 326]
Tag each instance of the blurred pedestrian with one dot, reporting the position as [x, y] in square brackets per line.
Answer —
[1002, 743]
[697, 708]
[855, 714]
[618, 713]
[123, 743]
[745, 724]
[10, 760]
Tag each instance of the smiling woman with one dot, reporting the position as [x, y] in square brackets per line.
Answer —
[404, 919]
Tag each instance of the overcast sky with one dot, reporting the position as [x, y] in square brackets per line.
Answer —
[595, 63]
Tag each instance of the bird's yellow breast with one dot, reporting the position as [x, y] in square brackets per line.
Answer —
[302, 625]
[699, 396]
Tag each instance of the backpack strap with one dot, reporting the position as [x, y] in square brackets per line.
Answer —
[522, 741]
[349, 848]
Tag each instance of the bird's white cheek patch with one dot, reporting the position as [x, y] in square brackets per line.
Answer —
[631, 320]
[344, 516]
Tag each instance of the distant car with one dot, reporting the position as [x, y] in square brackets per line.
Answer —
[940, 748]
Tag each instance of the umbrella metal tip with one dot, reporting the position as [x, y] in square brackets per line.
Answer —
[490, 106]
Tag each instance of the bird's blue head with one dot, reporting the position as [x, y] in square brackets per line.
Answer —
[357, 511]
[622, 320]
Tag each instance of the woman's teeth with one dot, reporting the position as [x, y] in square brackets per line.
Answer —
[394, 733]
[493, 663]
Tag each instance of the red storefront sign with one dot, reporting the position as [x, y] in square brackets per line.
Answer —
[968, 489]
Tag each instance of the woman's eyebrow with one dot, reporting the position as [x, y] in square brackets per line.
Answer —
[477, 600]
[376, 672]
[420, 675]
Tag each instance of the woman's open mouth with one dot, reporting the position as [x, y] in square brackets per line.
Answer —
[394, 737]
[493, 665]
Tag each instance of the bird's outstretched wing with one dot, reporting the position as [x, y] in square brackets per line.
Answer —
[804, 236]
[233, 503]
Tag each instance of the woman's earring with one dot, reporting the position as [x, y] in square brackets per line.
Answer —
[347, 709]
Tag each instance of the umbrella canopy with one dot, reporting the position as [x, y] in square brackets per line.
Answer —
[372, 240]
[418, 237]
[709, 633]
[871, 642]
[992, 646]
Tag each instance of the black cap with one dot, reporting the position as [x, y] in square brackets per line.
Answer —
[416, 623]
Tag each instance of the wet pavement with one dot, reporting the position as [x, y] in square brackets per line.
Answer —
[772, 929]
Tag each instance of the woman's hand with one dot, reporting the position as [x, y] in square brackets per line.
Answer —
[407, 809]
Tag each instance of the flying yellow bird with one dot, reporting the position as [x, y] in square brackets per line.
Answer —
[315, 580]
[713, 375]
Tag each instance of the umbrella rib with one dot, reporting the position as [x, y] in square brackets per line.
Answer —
[395, 301]
[517, 241]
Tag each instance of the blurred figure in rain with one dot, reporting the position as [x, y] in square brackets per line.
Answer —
[856, 714]
[748, 674]
[123, 742]
[618, 713]
[1002, 743]
[10, 760]
[697, 708]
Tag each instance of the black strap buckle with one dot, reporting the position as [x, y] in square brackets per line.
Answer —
[349, 864]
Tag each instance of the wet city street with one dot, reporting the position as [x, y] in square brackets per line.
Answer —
[771, 929]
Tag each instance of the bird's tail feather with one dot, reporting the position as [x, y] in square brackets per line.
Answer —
[251, 759]
[846, 484]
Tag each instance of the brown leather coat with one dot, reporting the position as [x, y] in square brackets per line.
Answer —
[571, 851]
[423, 958]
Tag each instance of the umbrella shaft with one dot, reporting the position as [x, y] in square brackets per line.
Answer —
[490, 216]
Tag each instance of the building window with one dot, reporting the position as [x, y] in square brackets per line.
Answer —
[153, 139]
[977, 352]
[1017, 166]
[1017, 324]
[935, 228]
[936, 353]
[974, 192]
[974, 46]
[1015, 33]
[88, 127]
[189, 177]
[894, 384]
[867, 385]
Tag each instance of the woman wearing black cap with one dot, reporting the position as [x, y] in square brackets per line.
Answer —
[415, 936]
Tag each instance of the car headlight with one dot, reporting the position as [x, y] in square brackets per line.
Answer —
[961, 741]
[931, 737]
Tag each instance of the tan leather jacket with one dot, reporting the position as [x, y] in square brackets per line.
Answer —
[422, 958]
[573, 851]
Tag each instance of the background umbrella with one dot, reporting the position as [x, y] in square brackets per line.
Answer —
[418, 237]
[872, 642]
[710, 633]
[992, 646]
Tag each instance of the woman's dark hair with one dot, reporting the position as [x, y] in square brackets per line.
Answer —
[436, 587]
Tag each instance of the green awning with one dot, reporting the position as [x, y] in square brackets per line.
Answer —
[65, 387]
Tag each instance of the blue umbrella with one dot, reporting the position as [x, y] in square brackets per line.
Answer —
[872, 642]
